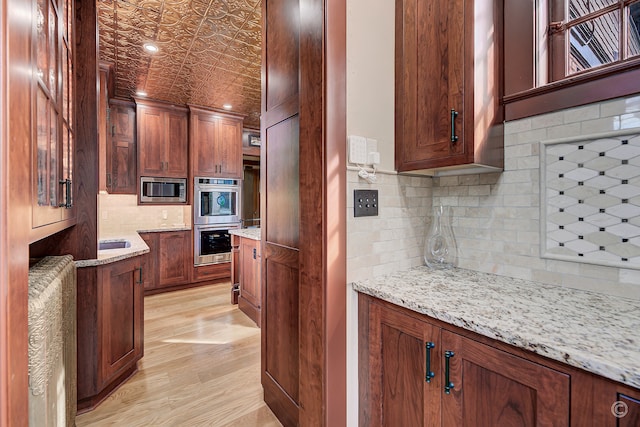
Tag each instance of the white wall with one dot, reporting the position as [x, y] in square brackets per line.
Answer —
[370, 73]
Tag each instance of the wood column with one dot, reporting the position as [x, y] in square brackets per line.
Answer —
[15, 213]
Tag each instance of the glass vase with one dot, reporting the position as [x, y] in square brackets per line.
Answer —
[440, 250]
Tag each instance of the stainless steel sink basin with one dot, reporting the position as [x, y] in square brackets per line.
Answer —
[113, 244]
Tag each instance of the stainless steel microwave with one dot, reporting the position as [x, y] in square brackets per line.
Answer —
[163, 190]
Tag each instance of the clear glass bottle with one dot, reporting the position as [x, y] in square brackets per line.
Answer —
[440, 250]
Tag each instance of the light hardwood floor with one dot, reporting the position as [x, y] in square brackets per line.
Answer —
[201, 367]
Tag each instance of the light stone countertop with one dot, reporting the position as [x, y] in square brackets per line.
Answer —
[249, 233]
[591, 331]
[138, 247]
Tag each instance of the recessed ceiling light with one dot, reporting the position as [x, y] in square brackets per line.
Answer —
[150, 47]
[141, 93]
[227, 106]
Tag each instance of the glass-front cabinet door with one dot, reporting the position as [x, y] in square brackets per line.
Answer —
[53, 116]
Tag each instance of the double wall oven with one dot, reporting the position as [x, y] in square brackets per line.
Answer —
[216, 210]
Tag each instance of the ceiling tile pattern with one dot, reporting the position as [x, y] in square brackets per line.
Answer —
[591, 201]
[209, 51]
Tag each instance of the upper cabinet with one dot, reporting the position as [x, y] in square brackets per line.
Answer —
[448, 86]
[162, 139]
[216, 143]
[53, 131]
[121, 147]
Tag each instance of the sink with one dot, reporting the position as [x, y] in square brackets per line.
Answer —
[113, 244]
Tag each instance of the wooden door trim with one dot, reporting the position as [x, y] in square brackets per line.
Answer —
[15, 154]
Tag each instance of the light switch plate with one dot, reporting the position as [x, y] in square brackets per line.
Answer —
[365, 203]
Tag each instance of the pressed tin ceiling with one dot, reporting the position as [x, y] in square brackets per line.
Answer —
[209, 51]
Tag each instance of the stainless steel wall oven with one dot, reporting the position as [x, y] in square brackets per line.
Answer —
[216, 210]
[212, 243]
[216, 201]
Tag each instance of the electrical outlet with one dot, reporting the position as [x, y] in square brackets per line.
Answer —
[365, 203]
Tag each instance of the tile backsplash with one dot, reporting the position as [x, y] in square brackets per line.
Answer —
[392, 240]
[496, 216]
[591, 199]
[120, 214]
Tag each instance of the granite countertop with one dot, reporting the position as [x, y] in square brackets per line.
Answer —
[138, 246]
[249, 233]
[591, 331]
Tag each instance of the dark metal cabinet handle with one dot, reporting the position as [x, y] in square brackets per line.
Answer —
[140, 280]
[429, 373]
[67, 197]
[254, 253]
[454, 114]
[448, 385]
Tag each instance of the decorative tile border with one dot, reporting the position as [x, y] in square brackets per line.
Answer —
[590, 199]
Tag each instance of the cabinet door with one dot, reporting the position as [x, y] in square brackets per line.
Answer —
[53, 113]
[203, 138]
[398, 391]
[151, 141]
[495, 388]
[229, 148]
[173, 258]
[249, 286]
[430, 81]
[150, 261]
[123, 150]
[120, 314]
[176, 154]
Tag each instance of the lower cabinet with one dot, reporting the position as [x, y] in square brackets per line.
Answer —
[110, 328]
[169, 260]
[249, 278]
[418, 371]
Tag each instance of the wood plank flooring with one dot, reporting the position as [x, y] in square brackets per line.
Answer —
[201, 367]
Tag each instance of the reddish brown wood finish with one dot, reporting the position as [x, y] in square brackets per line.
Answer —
[303, 124]
[169, 261]
[494, 383]
[149, 261]
[280, 209]
[211, 272]
[122, 172]
[492, 387]
[249, 300]
[216, 143]
[104, 134]
[82, 241]
[397, 393]
[15, 208]
[162, 139]
[120, 294]
[524, 100]
[432, 82]
[335, 214]
[110, 328]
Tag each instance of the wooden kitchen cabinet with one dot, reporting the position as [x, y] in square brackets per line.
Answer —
[121, 147]
[110, 328]
[249, 259]
[216, 143]
[414, 372]
[53, 133]
[448, 112]
[169, 260]
[162, 139]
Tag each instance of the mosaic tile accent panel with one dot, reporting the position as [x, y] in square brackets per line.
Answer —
[590, 206]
